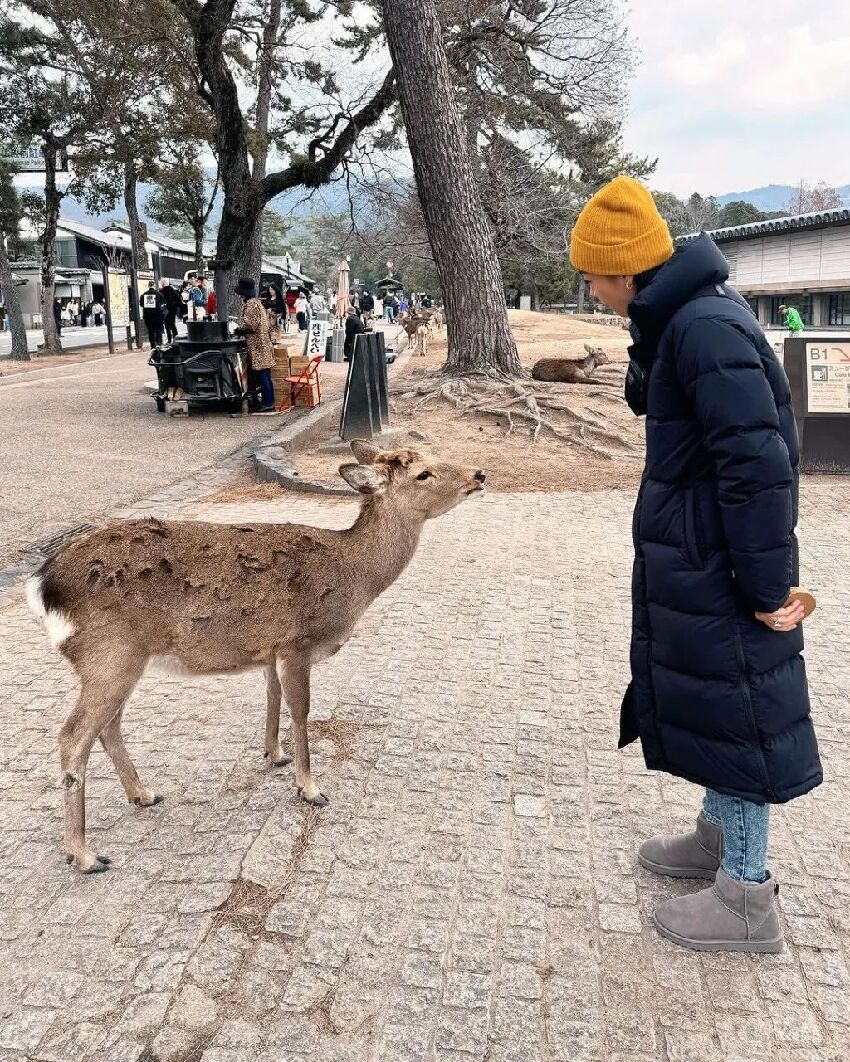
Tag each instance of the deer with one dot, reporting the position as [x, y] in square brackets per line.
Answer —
[194, 598]
[565, 370]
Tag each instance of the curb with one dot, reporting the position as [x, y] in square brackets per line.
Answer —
[272, 462]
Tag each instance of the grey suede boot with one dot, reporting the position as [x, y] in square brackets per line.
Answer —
[730, 916]
[690, 855]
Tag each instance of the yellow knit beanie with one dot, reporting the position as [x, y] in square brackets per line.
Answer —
[620, 232]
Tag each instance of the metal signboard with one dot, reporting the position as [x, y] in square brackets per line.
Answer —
[828, 377]
[29, 159]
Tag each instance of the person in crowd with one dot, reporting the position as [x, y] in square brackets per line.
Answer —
[318, 303]
[353, 327]
[212, 300]
[73, 309]
[390, 307]
[793, 320]
[254, 326]
[426, 302]
[718, 693]
[272, 298]
[275, 304]
[57, 315]
[196, 299]
[153, 312]
[302, 311]
[85, 314]
[171, 307]
[290, 298]
[403, 303]
[367, 307]
[98, 312]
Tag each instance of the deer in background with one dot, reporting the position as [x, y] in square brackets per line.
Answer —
[566, 370]
[200, 599]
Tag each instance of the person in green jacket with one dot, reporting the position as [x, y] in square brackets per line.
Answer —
[793, 321]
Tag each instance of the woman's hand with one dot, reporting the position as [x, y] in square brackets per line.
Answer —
[783, 619]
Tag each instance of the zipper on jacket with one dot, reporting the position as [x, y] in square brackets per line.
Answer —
[690, 531]
[743, 682]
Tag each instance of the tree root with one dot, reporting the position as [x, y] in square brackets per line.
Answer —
[536, 406]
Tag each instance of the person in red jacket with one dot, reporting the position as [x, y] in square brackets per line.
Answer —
[212, 302]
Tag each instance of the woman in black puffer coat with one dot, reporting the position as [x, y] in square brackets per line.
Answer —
[718, 693]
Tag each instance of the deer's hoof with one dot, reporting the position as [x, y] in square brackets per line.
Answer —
[318, 801]
[279, 759]
[91, 864]
[148, 800]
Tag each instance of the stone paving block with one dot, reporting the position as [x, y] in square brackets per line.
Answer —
[22, 1030]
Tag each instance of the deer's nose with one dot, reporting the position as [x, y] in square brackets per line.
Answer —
[480, 476]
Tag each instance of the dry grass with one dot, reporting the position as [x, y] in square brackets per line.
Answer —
[244, 488]
[248, 905]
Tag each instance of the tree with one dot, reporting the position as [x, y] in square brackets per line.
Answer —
[694, 214]
[184, 197]
[40, 104]
[275, 239]
[808, 200]
[739, 212]
[460, 238]
[10, 219]
[317, 142]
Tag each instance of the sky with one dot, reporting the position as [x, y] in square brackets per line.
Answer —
[733, 96]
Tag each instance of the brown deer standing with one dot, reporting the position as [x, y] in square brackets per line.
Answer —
[199, 599]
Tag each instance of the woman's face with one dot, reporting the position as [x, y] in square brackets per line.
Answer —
[614, 292]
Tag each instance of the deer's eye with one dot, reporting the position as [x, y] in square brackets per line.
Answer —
[425, 475]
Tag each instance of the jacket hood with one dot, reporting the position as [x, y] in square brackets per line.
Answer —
[693, 266]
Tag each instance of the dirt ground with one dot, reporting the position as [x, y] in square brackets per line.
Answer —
[512, 461]
[53, 361]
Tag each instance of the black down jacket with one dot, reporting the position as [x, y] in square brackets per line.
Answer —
[716, 697]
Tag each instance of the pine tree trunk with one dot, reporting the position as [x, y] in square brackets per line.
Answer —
[460, 238]
[260, 151]
[20, 350]
[199, 227]
[238, 238]
[137, 244]
[52, 205]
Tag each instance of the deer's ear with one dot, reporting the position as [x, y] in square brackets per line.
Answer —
[364, 478]
[365, 452]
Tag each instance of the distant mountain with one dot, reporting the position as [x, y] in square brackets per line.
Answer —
[774, 196]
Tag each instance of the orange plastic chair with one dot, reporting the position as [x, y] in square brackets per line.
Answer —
[304, 382]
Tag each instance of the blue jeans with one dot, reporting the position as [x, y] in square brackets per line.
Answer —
[745, 827]
[389, 315]
[264, 379]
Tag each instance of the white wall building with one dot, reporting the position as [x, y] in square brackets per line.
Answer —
[802, 261]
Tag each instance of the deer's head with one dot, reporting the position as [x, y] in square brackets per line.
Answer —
[413, 481]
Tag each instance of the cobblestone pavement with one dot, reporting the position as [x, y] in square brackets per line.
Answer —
[471, 894]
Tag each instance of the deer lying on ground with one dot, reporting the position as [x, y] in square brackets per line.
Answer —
[199, 599]
[565, 370]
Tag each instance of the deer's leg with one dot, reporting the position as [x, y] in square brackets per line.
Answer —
[295, 680]
[274, 752]
[113, 743]
[102, 696]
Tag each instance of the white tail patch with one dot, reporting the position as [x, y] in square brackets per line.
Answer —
[59, 627]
